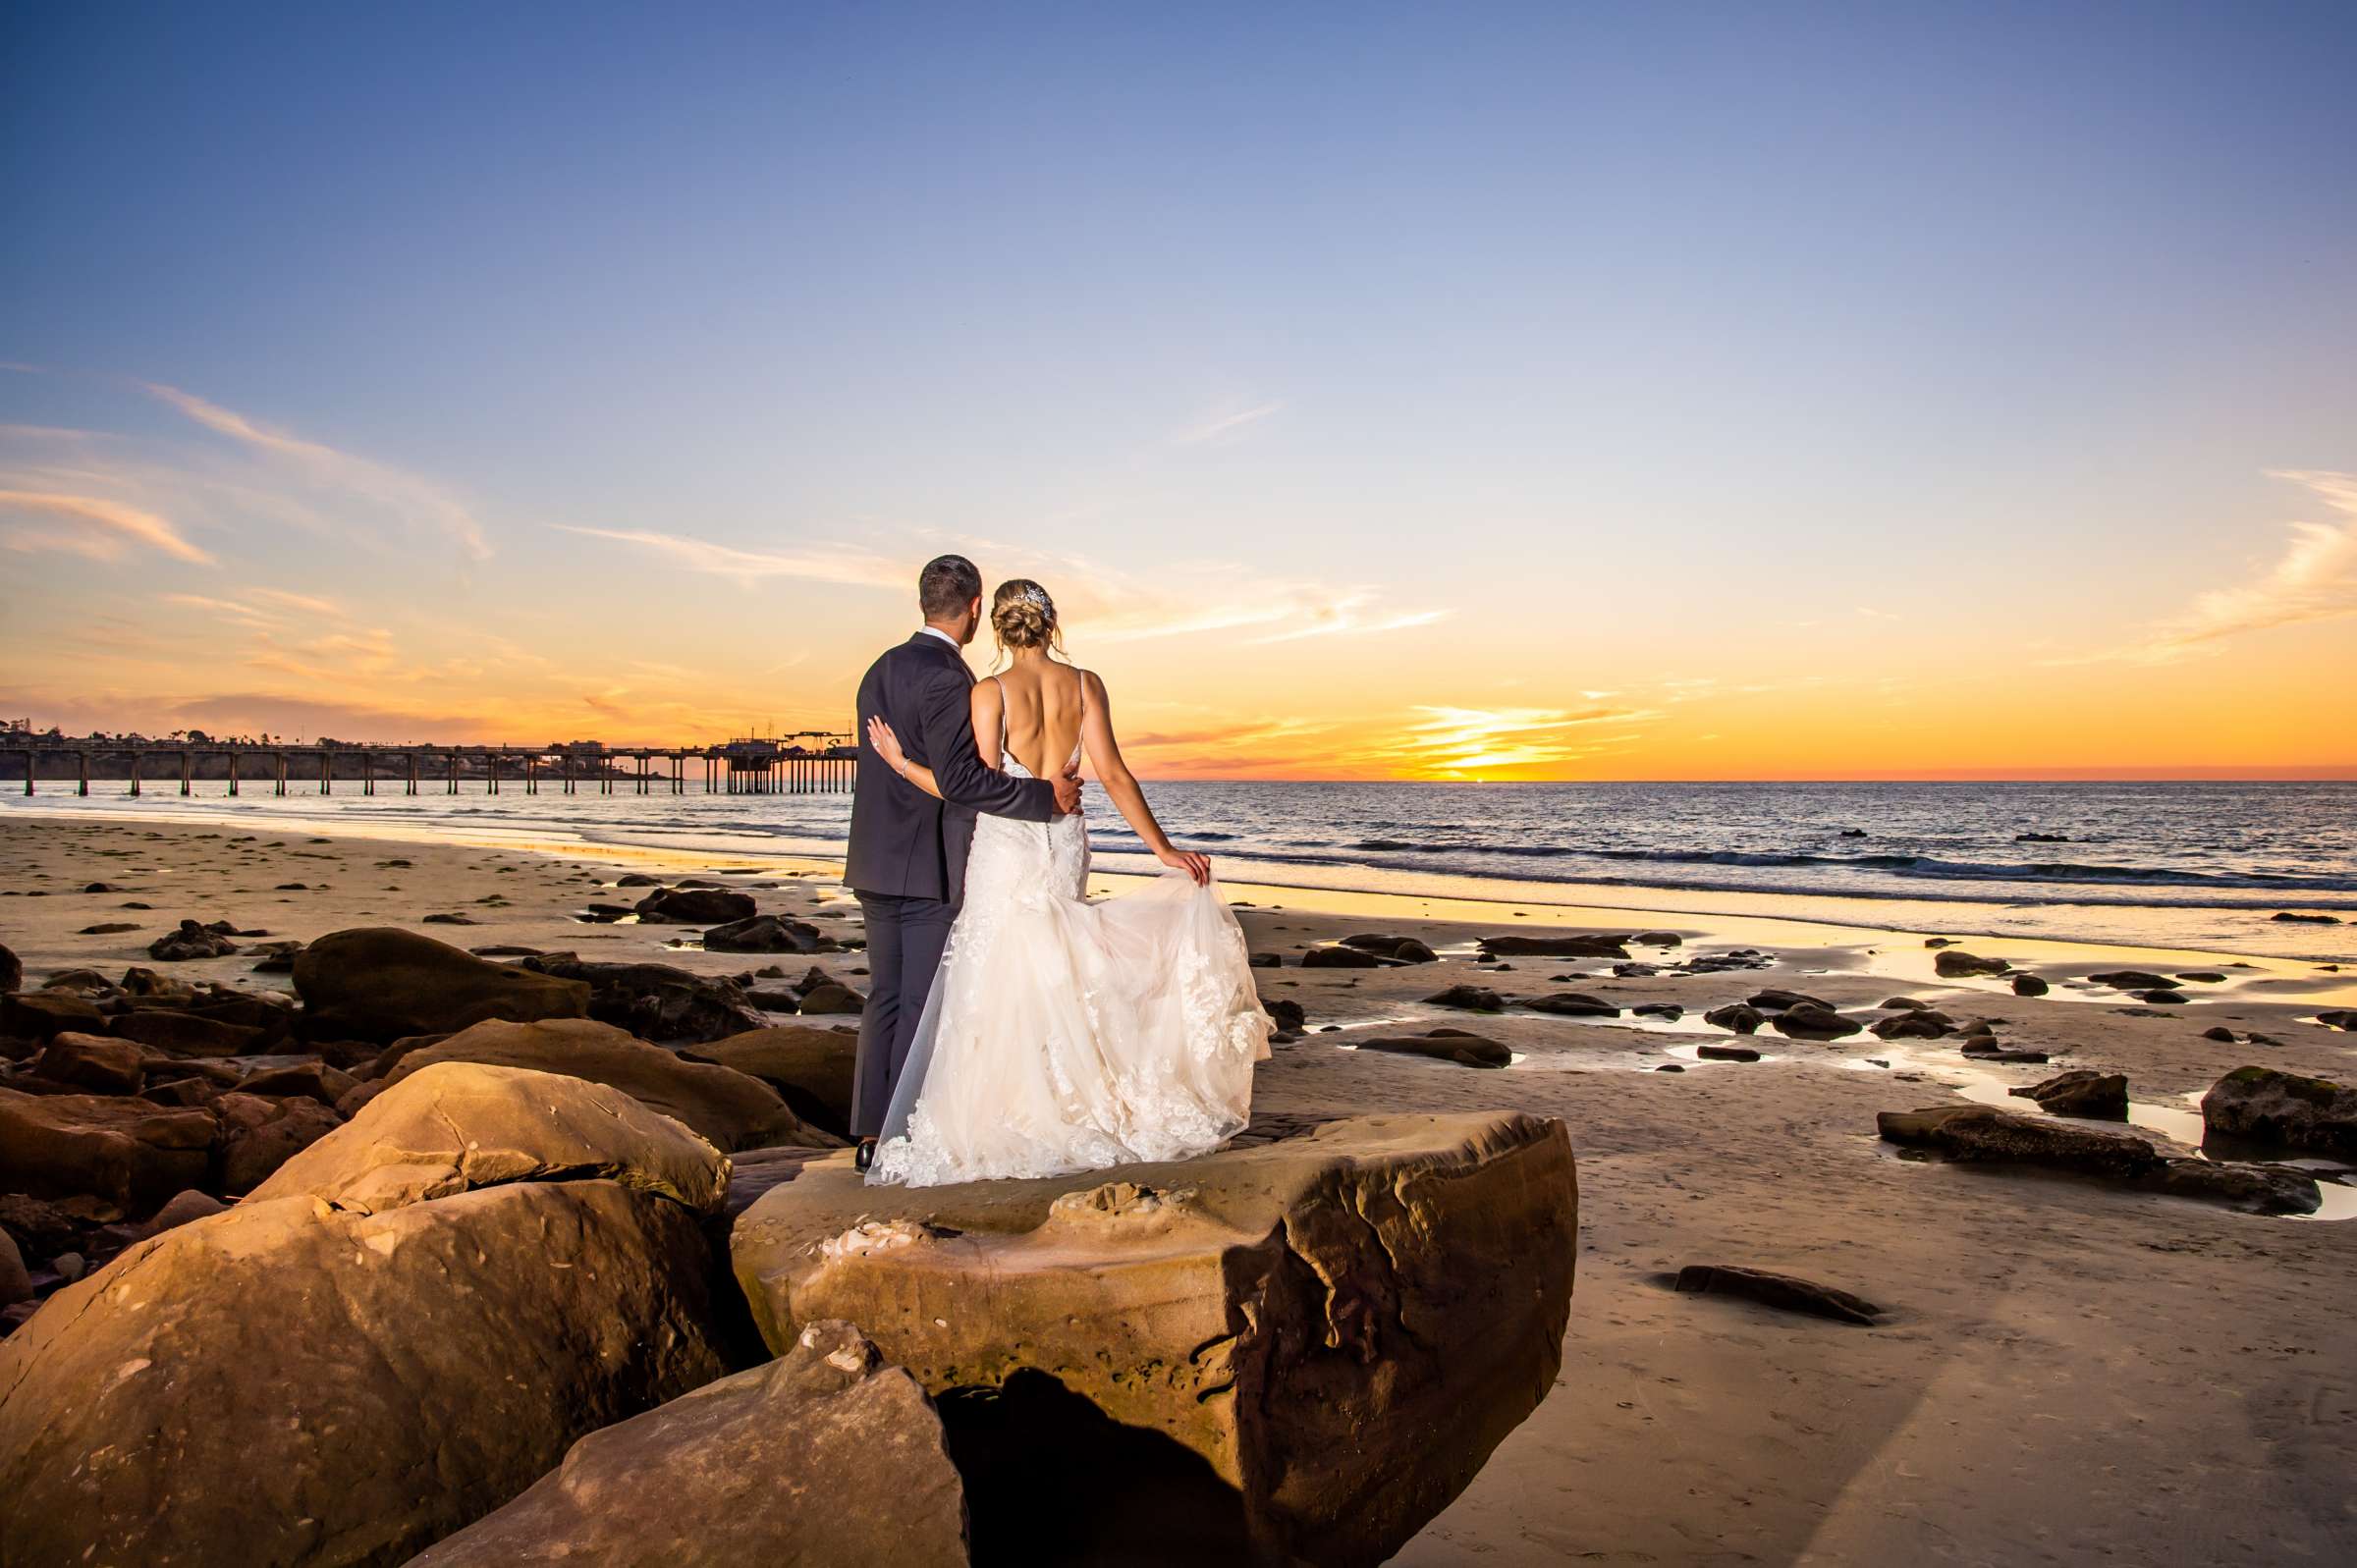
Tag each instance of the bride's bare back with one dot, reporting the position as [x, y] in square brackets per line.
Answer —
[1042, 705]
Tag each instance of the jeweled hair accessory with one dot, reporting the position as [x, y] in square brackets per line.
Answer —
[1039, 596]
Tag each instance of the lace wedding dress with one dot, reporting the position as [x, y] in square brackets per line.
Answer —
[1065, 1035]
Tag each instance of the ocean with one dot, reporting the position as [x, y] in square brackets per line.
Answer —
[2204, 864]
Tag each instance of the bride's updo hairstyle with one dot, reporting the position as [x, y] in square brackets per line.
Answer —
[1022, 616]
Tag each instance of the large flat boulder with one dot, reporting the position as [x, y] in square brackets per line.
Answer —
[2265, 1105]
[731, 1109]
[1969, 1133]
[381, 984]
[812, 1068]
[825, 1457]
[657, 1001]
[131, 1151]
[453, 1125]
[288, 1383]
[1314, 1341]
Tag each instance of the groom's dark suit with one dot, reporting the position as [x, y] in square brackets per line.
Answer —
[907, 851]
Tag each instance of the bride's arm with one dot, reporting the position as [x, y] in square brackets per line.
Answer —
[986, 700]
[1096, 735]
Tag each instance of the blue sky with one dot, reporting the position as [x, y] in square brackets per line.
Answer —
[1518, 352]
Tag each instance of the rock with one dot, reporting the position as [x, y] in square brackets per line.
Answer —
[693, 906]
[1954, 963]
[180, 1210]
[1669, 1067]
[657, 1001]
[728, 1108]
[1340, 1324]
[2130, 980]
[450, 920]
[2338, 1018]
[2041, 838]
[2309, 920]
[107, 928]
[1342, 958]
[1907, 1002]
[1473, 998]
[833, 998]
[1561, 946]
[1657, 938]
[2029, 985]
[1774, 1001]
[2161, 997]
[16, 1280]
[1737, 1016]
[812, 1068]
[1448, 1044]
[128, 1151]
[310, 1080]
[1981, 1133]
[638, 879]
[1286, 1013]
[2100, 1096]
[2258, 1189]
[39, 1014]
[456, 1125]
[1406, 950]
[1808, 1022]
[217, 1364]
[2206, 977]
[1712, 1052]
[1668, 1011]
[1266, 960]
[93, 1062]
[278, 957]
[258, 1135]
[1923, 1025]
[191, 941]
[767, 934]
[12, 971]
[1939, 942]
[1784, 1292]
[825, 1456]
[2262, 1105]
[1984, 1048]
[1573, 1004]
[2219, 1033]
[185, 1033]
[381, 982]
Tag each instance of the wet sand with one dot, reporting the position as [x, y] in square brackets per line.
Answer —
[2068, 1372]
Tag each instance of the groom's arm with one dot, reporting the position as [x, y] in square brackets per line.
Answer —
[947, 721]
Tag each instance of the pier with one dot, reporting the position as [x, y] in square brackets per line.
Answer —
[813, 762]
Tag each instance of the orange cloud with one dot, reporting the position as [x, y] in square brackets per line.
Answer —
[118, 526]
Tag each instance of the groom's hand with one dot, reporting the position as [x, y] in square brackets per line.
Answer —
[1068, 790]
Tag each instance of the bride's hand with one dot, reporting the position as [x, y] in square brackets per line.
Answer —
[887, 744]
[1194, 865]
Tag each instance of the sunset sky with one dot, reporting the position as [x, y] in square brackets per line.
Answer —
[1493, 392]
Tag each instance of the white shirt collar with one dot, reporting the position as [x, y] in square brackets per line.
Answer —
[936, 632]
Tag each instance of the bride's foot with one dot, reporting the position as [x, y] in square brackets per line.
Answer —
[864, 1156]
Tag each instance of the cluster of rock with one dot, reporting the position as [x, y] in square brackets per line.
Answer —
[484, 1302]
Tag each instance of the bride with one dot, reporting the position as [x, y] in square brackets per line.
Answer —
[1061, 1033]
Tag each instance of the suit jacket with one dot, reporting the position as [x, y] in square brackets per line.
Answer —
[905, 841]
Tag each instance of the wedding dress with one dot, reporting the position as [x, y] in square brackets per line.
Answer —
[1065, 1035]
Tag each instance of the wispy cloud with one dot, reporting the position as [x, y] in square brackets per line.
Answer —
[412, 496]
[98, 528]
[821, 564]
[1223, 423]
[2313, 579]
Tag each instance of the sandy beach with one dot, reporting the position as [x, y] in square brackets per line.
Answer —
[2067, 1371]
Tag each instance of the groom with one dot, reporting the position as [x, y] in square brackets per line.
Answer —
[908, 850]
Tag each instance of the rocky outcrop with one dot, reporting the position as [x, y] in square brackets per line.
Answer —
[812, 1068]
[727, 1107]
[94, 1062]
[1808, 1020]
[2098, 1096]
[1557, 946]
[456, 1125]
[131, 1152]
[1327, 1333]
[192, 940]
[657, 1001]
[381, 984]
[260, 1134]
[693, 906]
[1738, 1016]
[1469, 999]
[1984, 1135]
[290, 1384]
[768, 933]
[1955, 964]
[1446, 1045]
[823, 1456]
[2262, 1105]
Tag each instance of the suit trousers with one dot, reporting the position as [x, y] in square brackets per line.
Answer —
[904, 941]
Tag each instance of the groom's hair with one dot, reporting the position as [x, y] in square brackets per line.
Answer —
[946, 586]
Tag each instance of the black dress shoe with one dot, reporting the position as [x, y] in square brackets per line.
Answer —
[864, 1156]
